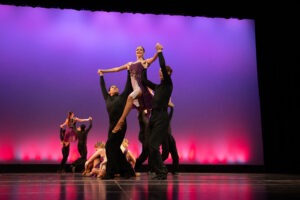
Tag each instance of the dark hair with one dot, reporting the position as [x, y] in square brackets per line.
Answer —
[70, 120]
[143, 50]
[69, 114]
[82, 126]
[169, 69]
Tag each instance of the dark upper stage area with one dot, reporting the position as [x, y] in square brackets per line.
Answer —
[225, 9]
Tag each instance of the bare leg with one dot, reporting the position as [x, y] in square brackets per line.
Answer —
[126, 111]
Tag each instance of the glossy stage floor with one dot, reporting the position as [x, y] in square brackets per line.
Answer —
[212, 186]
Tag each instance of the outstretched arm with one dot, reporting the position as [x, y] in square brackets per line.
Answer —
[81, 120]
[116, 69]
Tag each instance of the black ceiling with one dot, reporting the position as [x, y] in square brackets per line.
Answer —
[249, 10]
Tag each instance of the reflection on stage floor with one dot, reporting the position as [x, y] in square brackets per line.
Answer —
[212, 186]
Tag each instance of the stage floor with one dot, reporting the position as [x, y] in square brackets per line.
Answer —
[203, 186]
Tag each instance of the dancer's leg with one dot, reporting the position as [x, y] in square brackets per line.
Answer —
[135, 94]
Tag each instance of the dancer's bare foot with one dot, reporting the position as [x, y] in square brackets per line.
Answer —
[89, 174]
[118, 126]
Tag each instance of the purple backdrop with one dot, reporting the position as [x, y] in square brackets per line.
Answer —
[49, 61]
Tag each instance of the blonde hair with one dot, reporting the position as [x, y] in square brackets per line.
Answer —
[99, 145]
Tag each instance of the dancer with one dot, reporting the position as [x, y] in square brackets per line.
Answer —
[159, 120]
[82, 134]
[70, 135]
[115, 103]
[140, 96]
[129, 156]
[65, 150]
[96, 164]
[169, 144]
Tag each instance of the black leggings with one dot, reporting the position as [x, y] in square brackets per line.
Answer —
[116, 160]
[65, 152]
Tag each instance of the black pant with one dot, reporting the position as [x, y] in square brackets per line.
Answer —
[116, 160]
[79, 163]
[169, 146]
[142, 157]
[82, 149]
[144, 139]
[65, 152]
[158, 130]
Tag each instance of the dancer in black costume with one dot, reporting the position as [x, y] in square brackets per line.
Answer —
[115, 103]
[65, 150]
[159, 119]
[82, 134]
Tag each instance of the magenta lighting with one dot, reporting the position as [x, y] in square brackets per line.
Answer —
[49, 61]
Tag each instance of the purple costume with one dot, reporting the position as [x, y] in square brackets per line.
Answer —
[70, 135]
[136, 74]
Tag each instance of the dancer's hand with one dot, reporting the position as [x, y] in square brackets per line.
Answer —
[158, 47]
[100, 72]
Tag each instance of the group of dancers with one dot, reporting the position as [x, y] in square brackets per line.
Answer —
[152, 101]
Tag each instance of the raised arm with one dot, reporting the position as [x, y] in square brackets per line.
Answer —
[145, 80]
[162, 62]
[103, 85]
[152, 59]
[90, 126]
